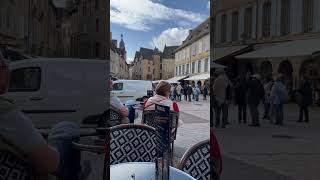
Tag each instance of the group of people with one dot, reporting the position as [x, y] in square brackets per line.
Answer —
[251, 91]
[190, 92]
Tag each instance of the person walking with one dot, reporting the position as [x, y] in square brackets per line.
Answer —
[279, 96]
[179, 88]
[205, 92]
[197, 93]
[241, 100]
[185, 92]
[189, 92]
[267, 103]
[254, 96]
[219, 90]
[305, 100]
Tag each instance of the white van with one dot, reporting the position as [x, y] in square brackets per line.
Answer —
[132, 89]
[50, 90]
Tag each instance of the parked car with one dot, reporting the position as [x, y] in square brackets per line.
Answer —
[12, 55]
[132, 89]
[50, 90]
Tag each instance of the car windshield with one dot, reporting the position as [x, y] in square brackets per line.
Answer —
[117, 87]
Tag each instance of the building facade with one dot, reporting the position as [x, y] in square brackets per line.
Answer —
[89, 29]
[146, 64]
[268, 37]
[167, 65]
[193, 56]
[118, 59]
[29, 27]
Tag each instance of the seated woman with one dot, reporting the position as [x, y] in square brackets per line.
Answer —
[163, 90]
[162, 97]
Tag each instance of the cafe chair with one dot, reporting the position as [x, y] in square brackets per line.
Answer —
[132, 143]
[196, 161]
[148, 118]
[13, 166]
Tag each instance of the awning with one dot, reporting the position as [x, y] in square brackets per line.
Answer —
[217, 66]
[176, 79]
[295, 48]
[203, 76]
[219, 53]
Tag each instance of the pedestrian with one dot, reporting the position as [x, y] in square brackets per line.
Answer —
[304, 100]
[241, 100]
[254, 96]
[174, 92]
[205, 92]
[197, 93]
[219, 90]
[179, 89]
[193, 88]
[279, 96]
[171, 92]
[185, 92]
[189, 92]
[267, 103]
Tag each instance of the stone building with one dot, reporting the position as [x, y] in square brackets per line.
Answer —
[118, 63]
[89, 30]
[29, 27]
[168, 62]
[268, 37]
[146, 64]
[192, 57]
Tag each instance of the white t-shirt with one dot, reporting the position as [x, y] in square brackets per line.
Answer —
[17, 129]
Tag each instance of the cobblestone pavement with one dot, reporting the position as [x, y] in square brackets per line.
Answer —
[291, 152]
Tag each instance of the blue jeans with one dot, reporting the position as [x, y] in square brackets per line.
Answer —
[132, 113]
[61, 137]
[279, 114]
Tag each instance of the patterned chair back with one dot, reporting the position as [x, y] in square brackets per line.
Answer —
[13, 166]
[196, 161]
[148, 118]
[132, 143]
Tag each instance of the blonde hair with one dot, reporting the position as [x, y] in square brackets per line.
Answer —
[163, 88]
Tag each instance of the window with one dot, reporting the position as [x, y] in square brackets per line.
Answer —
[153, 72]
[266, 19]
[97, 25]
[25, 80]
[206, 64]
[248, 23]
[307, 17]
[117, 87]
[179, 70]
[285, 17]
[149, 69]
[176, 71]
[84, 8]
[188, 68]
[213, 28]
[161, 66]
[160, 75]
[200, 44]
[224, 28]
[97, 4]
[193, 67]
[235, 24]
[199, 66]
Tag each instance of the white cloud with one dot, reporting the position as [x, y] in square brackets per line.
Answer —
[208, 5]
[140, 15]
[129, 59]
[170, 37]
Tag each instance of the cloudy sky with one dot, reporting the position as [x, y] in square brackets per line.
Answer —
[154, 23]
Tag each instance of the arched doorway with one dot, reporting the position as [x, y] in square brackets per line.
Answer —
[286, 69]
[266, 69]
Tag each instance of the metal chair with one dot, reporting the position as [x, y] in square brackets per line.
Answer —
[132, 143]
[148, 118]
[196, 161]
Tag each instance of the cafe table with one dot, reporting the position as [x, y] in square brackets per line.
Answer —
[142, 171]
